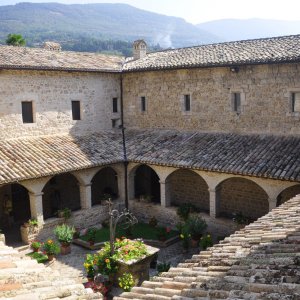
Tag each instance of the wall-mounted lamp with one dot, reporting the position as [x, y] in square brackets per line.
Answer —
[234, 69]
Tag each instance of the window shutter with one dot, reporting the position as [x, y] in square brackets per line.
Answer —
[76, 110]
[27, 112]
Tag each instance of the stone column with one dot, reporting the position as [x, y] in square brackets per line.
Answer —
[272, 203]
[36, 207]
[213, 202]
[121, 185]
[165, 198]
[130, 181]
[85, 196]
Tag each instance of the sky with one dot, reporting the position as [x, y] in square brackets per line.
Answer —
[198, 11]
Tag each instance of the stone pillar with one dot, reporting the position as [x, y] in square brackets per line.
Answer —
[85, 196]
[130, 182]
[214, 202]
[121, 185]
[165, 198]
[36, 207]
[272, 203]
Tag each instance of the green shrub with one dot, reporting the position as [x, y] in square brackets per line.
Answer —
[196, 225]
[163, 267]
[64, 233]
[126, 282]
[184, 210]
[206, 241]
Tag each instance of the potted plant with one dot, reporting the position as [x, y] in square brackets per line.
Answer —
[184, 210]
[64, 213]
[51, 248]
[126, 282]
[196, 225]
[206, 241]
[64, 233]
[29, 231]
[89, 267]
[162, 233]
[35, 246]
[91, 235]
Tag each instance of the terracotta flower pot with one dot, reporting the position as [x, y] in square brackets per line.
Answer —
[65, 248]
[50, 257]
[194, 243]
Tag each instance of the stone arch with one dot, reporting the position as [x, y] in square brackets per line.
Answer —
[146, 183]
[15, 196]
[241, 195]
[104, 185]
[60, 191]
[186, 186]
[287, 194]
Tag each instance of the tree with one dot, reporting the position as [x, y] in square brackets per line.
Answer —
[14, 39]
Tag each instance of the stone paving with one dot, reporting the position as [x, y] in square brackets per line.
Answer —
[71, 265]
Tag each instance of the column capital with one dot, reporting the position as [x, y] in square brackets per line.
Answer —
[162, 182]
[36, 194]
[85, 184]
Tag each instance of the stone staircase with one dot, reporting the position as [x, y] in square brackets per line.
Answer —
[22, 278]
[259, 262]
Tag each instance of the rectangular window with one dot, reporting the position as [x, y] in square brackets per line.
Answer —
[187, 102]
[115, 105]
[143, 103]
[27, 112]
[76, 110]
[236, 102]
[295, 102]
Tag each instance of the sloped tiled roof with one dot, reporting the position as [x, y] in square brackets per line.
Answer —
[276, 157]
[253, 155]
[42, 59]
[261, 261]
[41, 156]
[258, 51]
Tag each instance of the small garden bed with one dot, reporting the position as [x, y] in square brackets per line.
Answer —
[154, 236]
[39, 257]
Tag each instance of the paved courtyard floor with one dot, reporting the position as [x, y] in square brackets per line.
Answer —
[71, 265]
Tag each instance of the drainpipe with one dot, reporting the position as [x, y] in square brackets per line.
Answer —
[124, 142]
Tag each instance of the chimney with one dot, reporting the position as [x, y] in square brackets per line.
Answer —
[139, 49]
[52, 46]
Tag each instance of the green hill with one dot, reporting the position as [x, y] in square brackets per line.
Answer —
[75, 25]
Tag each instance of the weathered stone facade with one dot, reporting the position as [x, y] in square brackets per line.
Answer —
[51, 93]
[265, 99]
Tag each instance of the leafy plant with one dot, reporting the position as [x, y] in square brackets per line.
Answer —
[91, 234]
[196, 225]
[184, 210]
[35, 245]
[153, 222]
[163, 267]
[206, 241]
[39, 257]
[51, 248]
[64, 233]
[162, 233]
[14, 39]
[89, 266]
[103, 261]
[184, 234]
[33, 222]
[239, 218]
[65, 213]
[126, 282]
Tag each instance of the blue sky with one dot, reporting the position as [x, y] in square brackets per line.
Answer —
[197, 11]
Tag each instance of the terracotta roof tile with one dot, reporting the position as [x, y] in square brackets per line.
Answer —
[274, 157]
[260, 261]
[259, 51]
[42, 59]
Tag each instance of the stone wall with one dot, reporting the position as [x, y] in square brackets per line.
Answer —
[265, 99]
[167, 216]
[239, 195]
[80, 219]
[51, 94]
[288, 193]
[188, 187]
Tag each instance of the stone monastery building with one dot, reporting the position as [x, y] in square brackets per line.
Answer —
[216, 125]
